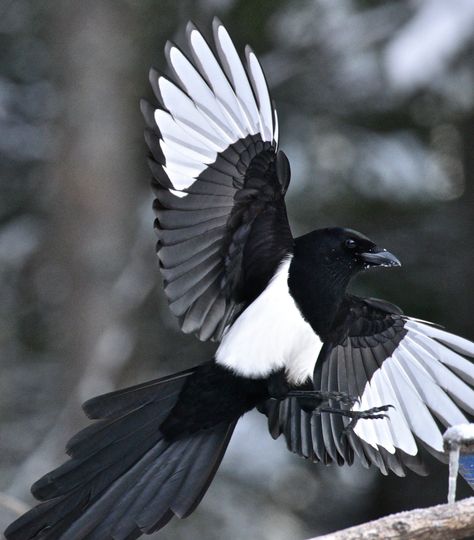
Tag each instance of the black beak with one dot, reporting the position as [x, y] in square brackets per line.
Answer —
[379, 258]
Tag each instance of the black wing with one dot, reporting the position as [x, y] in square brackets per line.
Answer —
[219, 182]
[384, 358]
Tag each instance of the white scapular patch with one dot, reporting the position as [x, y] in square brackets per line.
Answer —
[214, 104]
[271, 334]
[416, 381]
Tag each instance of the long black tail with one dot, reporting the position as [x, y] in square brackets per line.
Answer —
[139, 464]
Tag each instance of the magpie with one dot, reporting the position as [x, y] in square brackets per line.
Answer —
[341, 377]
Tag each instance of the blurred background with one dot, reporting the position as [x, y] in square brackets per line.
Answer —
[376, 104]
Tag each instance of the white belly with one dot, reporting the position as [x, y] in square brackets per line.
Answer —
[271, 334]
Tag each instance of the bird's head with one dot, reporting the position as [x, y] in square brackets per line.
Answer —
[337, 254]
[353, 251]
[323, 264]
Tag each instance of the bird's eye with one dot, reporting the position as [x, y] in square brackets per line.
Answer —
[350, 244]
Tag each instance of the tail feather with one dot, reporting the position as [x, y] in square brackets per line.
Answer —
[127, 510]
[124, 421]
[48, 520]
[125, 477]
[117, 445]
[188, 499]
[97, 514]
[98, 471]
[154, 483]
[123, 401]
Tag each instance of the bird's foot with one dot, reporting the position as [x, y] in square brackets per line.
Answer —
[375, 413]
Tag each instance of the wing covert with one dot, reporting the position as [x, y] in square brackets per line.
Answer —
[219, 182]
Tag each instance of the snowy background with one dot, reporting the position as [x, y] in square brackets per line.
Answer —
[376, 103]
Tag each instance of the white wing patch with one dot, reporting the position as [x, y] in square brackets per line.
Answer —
[215, 103]
[271, 334]
[416, 381]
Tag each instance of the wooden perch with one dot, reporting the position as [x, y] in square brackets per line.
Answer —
[442, 522]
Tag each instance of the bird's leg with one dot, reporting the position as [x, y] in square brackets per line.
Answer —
[316, 401]
[313, 400]
[308, 398]
[320, 396]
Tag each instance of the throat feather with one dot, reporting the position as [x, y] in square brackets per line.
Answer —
[318, 291]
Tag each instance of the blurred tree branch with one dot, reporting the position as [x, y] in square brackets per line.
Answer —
[92, 237]
[453, 521]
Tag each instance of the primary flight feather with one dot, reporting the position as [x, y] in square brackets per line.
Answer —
[339, 376]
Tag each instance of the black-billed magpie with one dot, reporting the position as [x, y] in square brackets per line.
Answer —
[339, 376]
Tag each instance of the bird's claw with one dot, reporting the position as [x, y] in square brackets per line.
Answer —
[375, 413]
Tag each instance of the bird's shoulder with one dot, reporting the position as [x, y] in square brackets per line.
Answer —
[359, 318]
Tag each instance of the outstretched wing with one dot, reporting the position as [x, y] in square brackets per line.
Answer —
[219, 182]
[383, 358]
